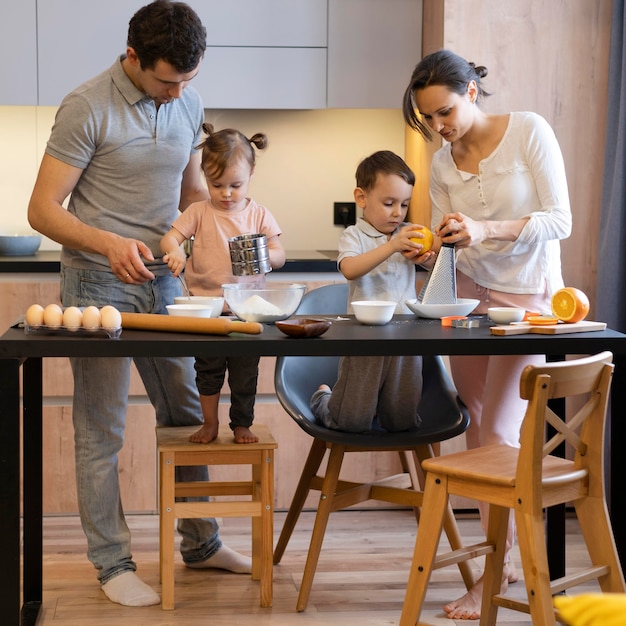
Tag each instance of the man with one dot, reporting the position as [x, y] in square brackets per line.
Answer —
[122, 149]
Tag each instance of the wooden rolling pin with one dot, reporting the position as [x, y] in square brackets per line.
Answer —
[179, 324]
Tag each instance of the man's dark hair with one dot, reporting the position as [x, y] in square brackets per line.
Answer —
[168, 31]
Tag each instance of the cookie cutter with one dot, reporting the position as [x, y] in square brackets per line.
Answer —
[465, 323]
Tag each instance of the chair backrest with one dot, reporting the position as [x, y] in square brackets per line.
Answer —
[297, 377]
[326, 300]
[589, 380]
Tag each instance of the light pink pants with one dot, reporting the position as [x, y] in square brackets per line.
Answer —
[489, 385]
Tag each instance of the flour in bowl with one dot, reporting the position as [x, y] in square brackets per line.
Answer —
[255, 305]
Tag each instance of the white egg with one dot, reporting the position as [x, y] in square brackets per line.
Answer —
[92, 318]
[53, 315]
[111, 317]
[34, 315]
[72, 318]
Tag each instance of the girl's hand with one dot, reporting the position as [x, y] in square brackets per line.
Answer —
[461, 230]
[176, 260]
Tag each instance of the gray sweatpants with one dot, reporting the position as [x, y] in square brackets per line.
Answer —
[381, 391]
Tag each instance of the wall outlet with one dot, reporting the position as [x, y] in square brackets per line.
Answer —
[344, 214]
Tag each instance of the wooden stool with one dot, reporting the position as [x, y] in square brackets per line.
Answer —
[175, 450]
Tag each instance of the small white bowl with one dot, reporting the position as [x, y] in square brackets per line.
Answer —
[373, 311]
[506, 314]
[191, 310]
[215, 303]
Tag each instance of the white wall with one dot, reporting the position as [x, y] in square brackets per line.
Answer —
[308, 165]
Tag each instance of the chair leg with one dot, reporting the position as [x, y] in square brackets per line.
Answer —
[263, 527]
[497, 529]
[166, 528]
[426, 544]
[313, 462]
[325, 507]
[595, 527]
[532, 547]
[449, 523]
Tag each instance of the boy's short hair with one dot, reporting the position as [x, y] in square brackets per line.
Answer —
[382, 162]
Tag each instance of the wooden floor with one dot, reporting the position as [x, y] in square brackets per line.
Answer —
[361, 577]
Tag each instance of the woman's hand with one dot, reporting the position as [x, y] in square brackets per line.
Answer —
[464, 232]
[461, 230]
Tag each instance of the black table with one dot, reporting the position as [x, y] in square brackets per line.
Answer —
[404, 335]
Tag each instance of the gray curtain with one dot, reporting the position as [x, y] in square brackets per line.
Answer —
[611, 284]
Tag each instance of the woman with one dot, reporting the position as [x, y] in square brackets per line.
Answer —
[499, 193]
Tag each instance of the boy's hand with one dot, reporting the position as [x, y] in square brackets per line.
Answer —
[176, 260]
[408, 240]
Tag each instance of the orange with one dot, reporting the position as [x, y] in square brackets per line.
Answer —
[570, 305]
[426, 241]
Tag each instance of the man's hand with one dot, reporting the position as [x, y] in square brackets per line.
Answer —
[125, 259]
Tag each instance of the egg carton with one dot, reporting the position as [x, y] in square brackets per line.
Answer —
[64, 331]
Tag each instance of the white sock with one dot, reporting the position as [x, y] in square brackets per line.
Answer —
[128, 589]
[227, 559]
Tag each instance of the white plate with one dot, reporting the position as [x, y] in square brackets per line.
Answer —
[463, 306]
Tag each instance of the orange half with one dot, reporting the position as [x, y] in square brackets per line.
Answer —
[570, 305]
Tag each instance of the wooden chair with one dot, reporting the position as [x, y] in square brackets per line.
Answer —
[443, 417]
[176, 450]
[526, 480]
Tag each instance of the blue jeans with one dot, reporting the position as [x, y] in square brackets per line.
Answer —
[99, 415]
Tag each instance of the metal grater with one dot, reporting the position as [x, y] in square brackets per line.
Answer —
[440, 285]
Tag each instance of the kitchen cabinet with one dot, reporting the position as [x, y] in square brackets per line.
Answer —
[261, 54]
[274, 57]
[18, 50]
[77, 40]
[373, 47]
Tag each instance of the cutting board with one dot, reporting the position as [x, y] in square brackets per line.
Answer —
[523, 328]
[180, 324]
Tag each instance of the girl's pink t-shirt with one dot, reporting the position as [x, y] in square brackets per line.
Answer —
[209, 266]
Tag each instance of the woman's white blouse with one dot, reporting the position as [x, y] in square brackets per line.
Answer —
[523, 177]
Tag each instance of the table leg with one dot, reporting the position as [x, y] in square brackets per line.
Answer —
[616, 435]
[555, 515]
[10, 574]
[33, 490]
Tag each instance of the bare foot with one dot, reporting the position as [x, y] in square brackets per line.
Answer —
[244, 435]
[206, 434]
[468, 606]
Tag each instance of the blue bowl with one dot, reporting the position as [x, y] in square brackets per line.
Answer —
[19, 245]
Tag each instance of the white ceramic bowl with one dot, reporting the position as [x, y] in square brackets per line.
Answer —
[191, 310]
[373, 311]
[215, 303]
[277, 301]
[506, 314]
[19, 245]
[463, 306]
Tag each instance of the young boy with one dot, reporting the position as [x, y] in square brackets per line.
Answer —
[378, 258]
